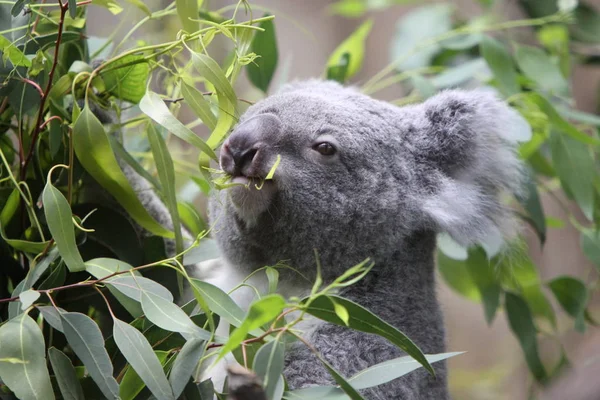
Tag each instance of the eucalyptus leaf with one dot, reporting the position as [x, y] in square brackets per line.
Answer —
[21, 339]
[264, 44]
[65, 374]
[87, 343]
[268, 365]
[185, 364]
[95, 154]
[501, 63]
[572, 294]
[137, 351]
[354, 46]
[60, 222]
[126, 78]
[201, 107]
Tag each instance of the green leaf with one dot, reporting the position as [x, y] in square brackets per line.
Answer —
[65, 375]
[575, 167]
[166, 175]
[455, 76]
[354, 46]
[339, 72]
[185, 364]
[268, 365]
[22, 340]
[201, 107]
[168, 316]
[363, 320]
[52, 316]
[559, 123]
[11, 52]
[141, 6]
[27, 298]
[137, 351]
[73, 8]
[210, 70]
[261, 71]
[188, 10]
[60, 222]
[373, 376]
[87, 343]
[532, 204]
[484, 278]
[153, 106]
[110, 5]
[590, 243]
[457, 276]
[261, 312]
[96, 155]
[191, 219]
[131, 384]
[572, 294]
[413, 40]
[219, 302]
[501, 63]
[521, 323]
[272, 278]
[126, 78]
[540, 68]
[587, 27]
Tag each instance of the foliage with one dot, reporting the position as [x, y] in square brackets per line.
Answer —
[80, 288]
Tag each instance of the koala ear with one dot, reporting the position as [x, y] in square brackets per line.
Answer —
[465, 140]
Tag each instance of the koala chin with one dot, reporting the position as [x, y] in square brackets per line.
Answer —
[360, 178]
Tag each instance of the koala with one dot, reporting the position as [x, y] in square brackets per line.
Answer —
[361, 178]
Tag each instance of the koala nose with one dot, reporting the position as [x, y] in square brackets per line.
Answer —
[242, 153]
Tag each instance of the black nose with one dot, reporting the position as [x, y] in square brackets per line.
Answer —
[245, 150]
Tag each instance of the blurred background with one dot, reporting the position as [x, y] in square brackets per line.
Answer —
[493, 366]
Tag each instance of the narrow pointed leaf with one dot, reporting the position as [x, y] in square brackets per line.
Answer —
[220, 302]
[131, 385]
[521, 323]
[168, 316]
[572, 294]
[228, 113]
[154, 107]
[268, 364]
[354, 46]
[65, 375]
[87, 342]
[22, 340]
[138, 352]
[95, 154]
[187, 10]
[501, 63]
[539, 67]
[60, 222]
[363, 320]
[201, 107]
[185, 364]
[52, 316]
[166, 175]
[264, 44]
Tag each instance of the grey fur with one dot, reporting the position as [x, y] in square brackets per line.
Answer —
[401, 175]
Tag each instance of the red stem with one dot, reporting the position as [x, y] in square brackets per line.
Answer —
[63, 11]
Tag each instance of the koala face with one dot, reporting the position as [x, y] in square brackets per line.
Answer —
[357, 176]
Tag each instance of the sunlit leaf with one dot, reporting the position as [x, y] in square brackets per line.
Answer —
[201, 107]
[354, 46]
[12, 53]
[187, 10]
[21, 339]
[94, 152]
[126, 78]
[363, 320]
[27, 298]
[153, 106]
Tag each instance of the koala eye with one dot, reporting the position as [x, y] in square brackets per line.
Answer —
[325, 148]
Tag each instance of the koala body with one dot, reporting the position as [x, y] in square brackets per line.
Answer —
[360, 178]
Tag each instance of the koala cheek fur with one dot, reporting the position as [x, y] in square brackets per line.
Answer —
[397, 177]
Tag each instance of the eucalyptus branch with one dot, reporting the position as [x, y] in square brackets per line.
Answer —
[64, 7]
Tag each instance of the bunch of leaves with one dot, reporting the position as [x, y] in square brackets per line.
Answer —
[80, 286]
[432, 51]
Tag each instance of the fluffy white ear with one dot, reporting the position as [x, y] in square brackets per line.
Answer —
[468, 140]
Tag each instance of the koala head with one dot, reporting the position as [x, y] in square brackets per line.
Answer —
[358, 177]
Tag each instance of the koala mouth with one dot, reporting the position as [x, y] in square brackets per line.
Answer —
[251, 196]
